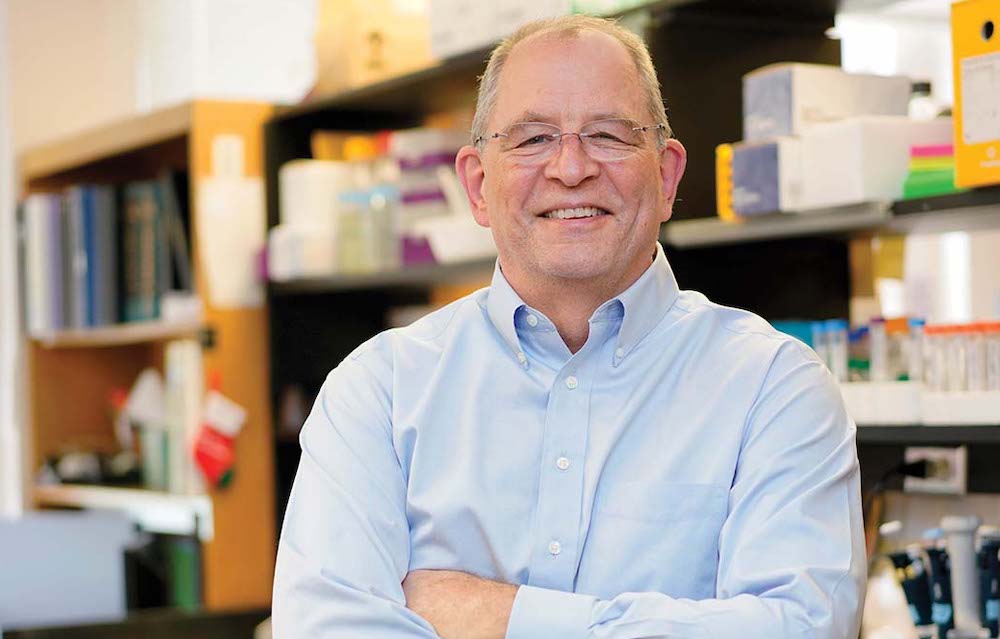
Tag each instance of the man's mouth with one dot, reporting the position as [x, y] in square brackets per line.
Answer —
[573, 214]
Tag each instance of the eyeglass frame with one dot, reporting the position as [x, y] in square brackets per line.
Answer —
[482, 139]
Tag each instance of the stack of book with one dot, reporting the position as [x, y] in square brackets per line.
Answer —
[96, 255]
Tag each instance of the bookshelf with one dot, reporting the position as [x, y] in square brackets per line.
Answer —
[118, 334]
[153, 511]
[70, 373]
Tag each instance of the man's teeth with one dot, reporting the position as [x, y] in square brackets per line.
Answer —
[569, 214]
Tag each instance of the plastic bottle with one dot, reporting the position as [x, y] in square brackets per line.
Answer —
[836, 339]
[961, 534]
[922, 106]
[820, 343]
[915, 350]
[878, 341]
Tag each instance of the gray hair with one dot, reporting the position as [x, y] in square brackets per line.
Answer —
[569, 26]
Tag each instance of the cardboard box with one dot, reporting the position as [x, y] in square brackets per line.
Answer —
[363, 42]
[766, 176]
[459, 26]
[863, 159]
[790, 98]
[976, 60]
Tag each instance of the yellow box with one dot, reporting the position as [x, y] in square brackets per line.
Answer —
[975, 31]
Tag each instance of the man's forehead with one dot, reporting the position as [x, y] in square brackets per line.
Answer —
[547, 65]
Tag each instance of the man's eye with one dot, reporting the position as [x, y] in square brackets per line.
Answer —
[535, 140]
[605, 136]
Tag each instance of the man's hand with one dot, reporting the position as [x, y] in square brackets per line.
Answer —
[459, 605]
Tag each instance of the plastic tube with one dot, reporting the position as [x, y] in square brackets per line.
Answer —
[955, 367]
[836, 339]
[993, 356]
[880, 350]
[961, 534]
[819, 342]
[975, 357]
[935, 349]
[915, 367]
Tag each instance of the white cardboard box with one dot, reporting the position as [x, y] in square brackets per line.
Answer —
[790, 98]
[863, 159]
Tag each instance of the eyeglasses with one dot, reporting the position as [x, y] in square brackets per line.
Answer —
[602, 140]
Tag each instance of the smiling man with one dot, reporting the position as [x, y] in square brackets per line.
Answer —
[581, 449]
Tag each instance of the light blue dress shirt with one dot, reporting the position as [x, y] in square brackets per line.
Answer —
[689, 473]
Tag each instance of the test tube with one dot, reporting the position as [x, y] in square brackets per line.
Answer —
[993, 356]
[988, 562]
[975, 357]
[879, 344]
[961, 534]
[836, 340]
[819, 342]
[935, 350]
[915, 372]
[955, 367]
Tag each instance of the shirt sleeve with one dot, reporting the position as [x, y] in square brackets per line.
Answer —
[345, 545]
[791, 553]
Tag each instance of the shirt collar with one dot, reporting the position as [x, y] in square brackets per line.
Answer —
[645, 303]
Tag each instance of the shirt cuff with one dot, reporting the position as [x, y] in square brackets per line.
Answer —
[540, 613]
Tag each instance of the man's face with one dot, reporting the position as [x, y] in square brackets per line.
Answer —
[569, 82]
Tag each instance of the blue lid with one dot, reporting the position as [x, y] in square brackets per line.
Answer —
[916, 322]
[857, 334]
[933, 533]
[818, 327]
[836, 325]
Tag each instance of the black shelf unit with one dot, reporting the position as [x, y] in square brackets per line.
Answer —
[958, 435]
[701, 49]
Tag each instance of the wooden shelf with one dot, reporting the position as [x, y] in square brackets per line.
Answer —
[153, 511]
[916, 435]
[411, 276]
[118, 334]
[110, 140]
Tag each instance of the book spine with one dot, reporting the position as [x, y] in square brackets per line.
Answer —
[77, 256]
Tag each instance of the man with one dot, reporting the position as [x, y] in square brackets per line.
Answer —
[580, 450]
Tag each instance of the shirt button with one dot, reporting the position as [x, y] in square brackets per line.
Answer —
[554, 548]
[571, 382]
[620, 353]
[522, 358]
[532, 321]
[562, 463]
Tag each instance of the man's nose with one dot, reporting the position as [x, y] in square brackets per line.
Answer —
[571, 165]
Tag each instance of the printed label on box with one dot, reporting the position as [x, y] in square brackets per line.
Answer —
[980, 103]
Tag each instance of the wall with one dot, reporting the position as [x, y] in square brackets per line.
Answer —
[80, 64]
[71, 66]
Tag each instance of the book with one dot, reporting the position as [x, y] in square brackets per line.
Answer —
[43, 264]
[79, 214]
[140, 232]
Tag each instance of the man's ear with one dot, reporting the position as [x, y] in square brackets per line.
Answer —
[469, 166]
[673, 160]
